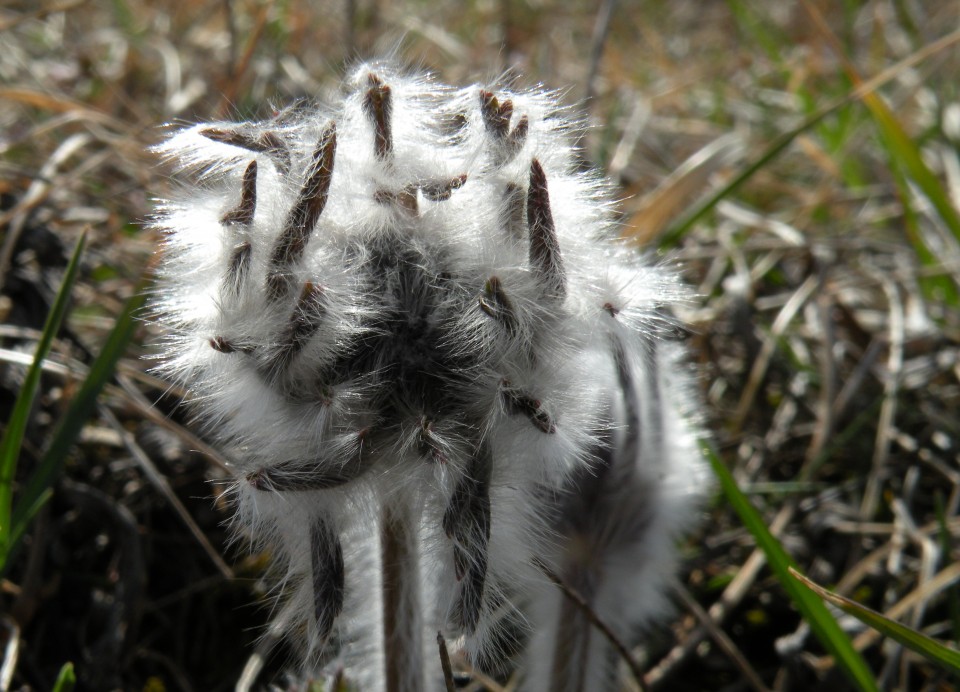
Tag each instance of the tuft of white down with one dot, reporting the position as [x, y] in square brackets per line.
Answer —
[408, 321]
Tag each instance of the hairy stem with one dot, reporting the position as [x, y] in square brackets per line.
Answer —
[401, 612]
[583, 605]
[572, 644]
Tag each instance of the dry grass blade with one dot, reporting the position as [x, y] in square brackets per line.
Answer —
[797, 300]
[47, 365]
[657, 209]
[158, 481]
[639, 118]
[871, 495]
[601, 29]
[130, 395]
[238, 72]
[942, 581]
[133, 396]
[16, 217]
[11, 651]
[42, 100]
[729, 600]
[722, 639]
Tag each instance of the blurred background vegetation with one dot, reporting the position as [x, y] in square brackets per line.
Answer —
[818, 223]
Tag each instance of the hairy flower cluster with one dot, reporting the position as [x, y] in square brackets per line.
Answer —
[408, 320]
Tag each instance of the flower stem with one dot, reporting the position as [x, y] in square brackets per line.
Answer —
[401, 612]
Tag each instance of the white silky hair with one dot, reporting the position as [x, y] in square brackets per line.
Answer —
[408, 320]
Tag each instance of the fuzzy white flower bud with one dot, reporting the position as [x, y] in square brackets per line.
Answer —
[407, 319]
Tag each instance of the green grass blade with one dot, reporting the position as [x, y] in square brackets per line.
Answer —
[66, 679]
[927, 647]
[17, 425]
[23, 514]
[906, 162]
[905, 156]
[815, 613]
[906, 153]
[937, 286]
[81, 407]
